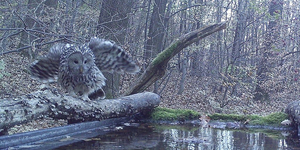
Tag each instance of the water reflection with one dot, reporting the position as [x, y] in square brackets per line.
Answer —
[159, 137]
[208, 138]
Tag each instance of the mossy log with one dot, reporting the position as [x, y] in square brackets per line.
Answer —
[14, 111]
[157, 67]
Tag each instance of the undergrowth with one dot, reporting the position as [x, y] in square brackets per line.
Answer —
[174, 114]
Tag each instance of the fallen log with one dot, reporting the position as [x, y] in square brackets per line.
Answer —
[15, 111]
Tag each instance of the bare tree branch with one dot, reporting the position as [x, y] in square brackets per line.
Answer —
[157, 67]
[26, 47]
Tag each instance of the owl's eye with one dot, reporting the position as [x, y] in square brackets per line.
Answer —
[85, 61]
[76, 61]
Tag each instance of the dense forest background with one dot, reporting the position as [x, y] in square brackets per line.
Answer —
[250, 67]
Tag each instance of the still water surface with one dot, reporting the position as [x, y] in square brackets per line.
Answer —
[179, 137]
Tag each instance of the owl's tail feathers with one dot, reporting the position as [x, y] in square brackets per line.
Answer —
[44, 70]
[110, 57]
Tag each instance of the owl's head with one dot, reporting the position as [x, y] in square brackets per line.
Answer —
[80, 59]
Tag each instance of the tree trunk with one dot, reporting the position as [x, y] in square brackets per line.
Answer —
[263, 66]
[154, 43]
[183, 75]
[197, 62]
[112, 85]
[113, 22]
[157, 67]
[237, 47]
[239, 33]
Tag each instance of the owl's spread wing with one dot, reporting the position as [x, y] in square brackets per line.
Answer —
[46, 68]
[109, 57]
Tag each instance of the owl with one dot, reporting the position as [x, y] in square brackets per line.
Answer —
[78, 68]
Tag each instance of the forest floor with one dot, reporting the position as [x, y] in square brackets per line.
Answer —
[196, 96]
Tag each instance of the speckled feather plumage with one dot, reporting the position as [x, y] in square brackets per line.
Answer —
[83, 77]
[110, 57]
[80, 84]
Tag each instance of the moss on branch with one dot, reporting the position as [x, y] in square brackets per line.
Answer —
[165, 55]
[158, 66]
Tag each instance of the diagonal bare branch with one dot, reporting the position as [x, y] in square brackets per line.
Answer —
[158, 66]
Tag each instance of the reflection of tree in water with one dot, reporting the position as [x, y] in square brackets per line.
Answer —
[255, 141]
[173, 137]
[142, 137]
[293, 141]
[209, 138]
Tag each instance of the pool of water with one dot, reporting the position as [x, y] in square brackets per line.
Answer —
[186, 137]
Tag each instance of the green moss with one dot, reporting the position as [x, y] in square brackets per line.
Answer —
[167, 53]
[254, 117]
[160, 113]
[235, 117]
[173, 114]
[272, 119]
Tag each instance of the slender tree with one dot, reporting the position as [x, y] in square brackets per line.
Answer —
[263, 67]
[113, 22]
[156, 32]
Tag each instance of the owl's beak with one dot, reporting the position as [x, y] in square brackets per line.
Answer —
[81, 70]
